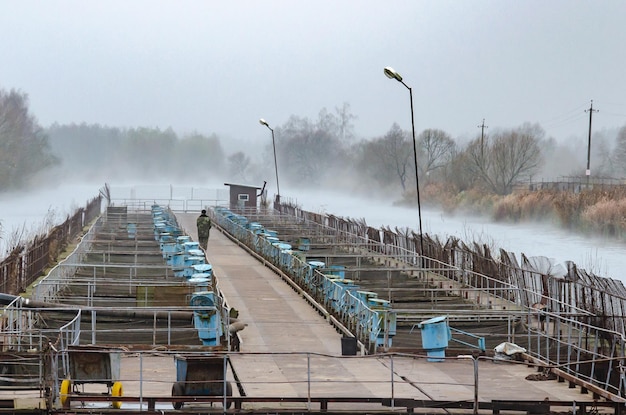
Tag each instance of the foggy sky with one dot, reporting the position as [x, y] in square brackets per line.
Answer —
[219, 66]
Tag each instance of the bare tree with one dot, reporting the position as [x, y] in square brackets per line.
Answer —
[310, 152]
[344, 122]
[437, 150]
[560, 160]
[602, 155]
[24, 149]
[456, 173]
[388, 159]
[507, 158]
[619, 154]
[239, 163]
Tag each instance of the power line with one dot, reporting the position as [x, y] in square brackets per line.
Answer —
[617, 104]
[614, 114]
[567, 114]
[565, 118]
[568, 120]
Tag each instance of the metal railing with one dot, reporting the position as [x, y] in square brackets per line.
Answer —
[564, 340]
[603, 368]
[374, 327]
[24, 322]
[176, 198]
[156, 380]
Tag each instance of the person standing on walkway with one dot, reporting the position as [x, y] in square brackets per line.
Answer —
[204, 227]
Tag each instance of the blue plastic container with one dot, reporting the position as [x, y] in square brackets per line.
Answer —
[191, 246]
[203, 268]
[435, 337]
[200, 281]
[206, 319]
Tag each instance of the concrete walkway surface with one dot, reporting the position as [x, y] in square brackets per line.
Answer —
[280, 321]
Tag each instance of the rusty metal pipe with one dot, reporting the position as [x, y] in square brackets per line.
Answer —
[104, 311]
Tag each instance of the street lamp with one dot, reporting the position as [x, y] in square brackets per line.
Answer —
[263, 122]
[392, 74]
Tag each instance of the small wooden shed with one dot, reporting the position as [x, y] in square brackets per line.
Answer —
[242, 196]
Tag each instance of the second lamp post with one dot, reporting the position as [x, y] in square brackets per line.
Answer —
[392, 74]
[263, 122]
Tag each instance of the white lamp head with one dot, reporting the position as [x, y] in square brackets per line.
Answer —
[392, 74]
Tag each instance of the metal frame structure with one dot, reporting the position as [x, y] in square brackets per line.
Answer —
[563, 340]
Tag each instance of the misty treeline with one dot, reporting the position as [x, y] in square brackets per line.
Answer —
[317, 153]
[100, 153]
[24, 148]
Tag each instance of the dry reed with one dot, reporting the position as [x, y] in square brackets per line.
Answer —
[598, 210]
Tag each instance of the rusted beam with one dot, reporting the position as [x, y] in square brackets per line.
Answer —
[585, 387]
[105, 311]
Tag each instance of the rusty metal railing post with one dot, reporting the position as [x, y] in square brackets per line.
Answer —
[475, 362]
[308, 380]
[225, 384]
[392, 384]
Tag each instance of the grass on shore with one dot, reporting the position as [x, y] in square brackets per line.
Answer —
[600, 211]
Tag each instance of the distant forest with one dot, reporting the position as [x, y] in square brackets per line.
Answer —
[316, 153]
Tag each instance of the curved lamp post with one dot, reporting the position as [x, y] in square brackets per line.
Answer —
[392, 74]
[263, 122]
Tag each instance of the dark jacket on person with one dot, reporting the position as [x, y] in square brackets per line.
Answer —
[204, 225]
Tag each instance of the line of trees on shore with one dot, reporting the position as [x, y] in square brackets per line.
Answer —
[24, 146]
[318, 153]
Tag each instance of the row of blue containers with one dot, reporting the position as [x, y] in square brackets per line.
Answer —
[373, 318]
[179, 251]
[188, 261]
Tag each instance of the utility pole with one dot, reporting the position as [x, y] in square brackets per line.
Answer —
[588, 172]
[482, 139]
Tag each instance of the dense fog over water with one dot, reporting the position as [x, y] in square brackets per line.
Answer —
[31, 211]
[601, 256]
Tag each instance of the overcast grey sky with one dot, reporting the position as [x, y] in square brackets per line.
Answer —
[219, 66]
